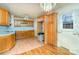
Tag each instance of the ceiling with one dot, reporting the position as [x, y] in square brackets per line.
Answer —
[26, 9]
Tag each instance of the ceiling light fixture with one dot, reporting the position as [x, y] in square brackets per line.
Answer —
[47, 6]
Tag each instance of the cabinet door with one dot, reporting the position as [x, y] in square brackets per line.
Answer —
[51, 29]
[4, 17]
[0, 17]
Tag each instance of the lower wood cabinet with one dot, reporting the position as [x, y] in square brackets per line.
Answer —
[25, 34]
[6, 42]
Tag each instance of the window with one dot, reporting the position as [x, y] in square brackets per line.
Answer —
[67, 21]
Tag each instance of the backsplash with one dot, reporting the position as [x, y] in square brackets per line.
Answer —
[3, 28]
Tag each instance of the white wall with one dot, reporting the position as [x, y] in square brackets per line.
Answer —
[66, 38]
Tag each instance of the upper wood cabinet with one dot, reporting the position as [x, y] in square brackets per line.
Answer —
[4, 17]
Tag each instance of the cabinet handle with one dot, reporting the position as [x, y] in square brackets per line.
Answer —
[76, 34]
[59, 32]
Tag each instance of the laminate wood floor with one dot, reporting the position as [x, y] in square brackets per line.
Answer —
[23, 45]
[33, 47]
[48, 50]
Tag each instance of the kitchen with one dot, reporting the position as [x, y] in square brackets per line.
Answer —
[27, 27]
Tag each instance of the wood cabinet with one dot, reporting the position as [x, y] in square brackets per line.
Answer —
[25, 34]
[50, 29]
[4, 17]
[6, 42]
